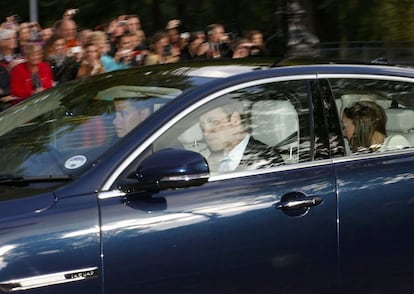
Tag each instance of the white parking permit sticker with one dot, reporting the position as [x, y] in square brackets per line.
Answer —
[75, 162]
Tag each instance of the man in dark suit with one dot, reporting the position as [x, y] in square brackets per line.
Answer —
[225, 129]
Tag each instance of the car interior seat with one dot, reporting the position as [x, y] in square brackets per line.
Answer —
[276, 123]
[192, 139]
[401, 121]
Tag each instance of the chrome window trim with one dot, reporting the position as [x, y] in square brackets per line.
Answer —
[111, 194]
[388, 153]
[109, 182]
[366, 76]
[263, 171]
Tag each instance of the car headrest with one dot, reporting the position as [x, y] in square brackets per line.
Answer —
[400, 119]
[191, 135]
[273, 121]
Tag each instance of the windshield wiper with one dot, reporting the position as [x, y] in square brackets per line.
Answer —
[20, 179]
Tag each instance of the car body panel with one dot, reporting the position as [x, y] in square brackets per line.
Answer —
[375, 203]
[224, 236]
[47, 248]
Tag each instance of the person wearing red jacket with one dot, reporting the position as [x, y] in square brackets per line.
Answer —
[30, 77]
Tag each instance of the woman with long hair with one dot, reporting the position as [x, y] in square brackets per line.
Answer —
[364, 125]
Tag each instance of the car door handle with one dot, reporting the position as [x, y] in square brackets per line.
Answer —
[299, 203]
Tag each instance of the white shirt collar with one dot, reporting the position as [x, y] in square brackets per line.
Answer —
[237, 152]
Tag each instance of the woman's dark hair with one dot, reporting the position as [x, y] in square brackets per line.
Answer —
[368, 117]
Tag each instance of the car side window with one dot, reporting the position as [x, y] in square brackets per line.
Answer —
[247, 129]
[376, 115]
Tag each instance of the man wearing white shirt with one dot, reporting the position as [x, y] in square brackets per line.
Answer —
[226, 133]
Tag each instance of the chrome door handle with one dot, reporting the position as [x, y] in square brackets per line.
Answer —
[307, 202]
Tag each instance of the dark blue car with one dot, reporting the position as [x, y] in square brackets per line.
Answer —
[209, 178]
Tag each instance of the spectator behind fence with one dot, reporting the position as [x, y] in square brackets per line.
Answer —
[161, 50]
[8, 47]
[173, 31]
[118, 28]
[4, 88]
[142, 41]
[83, 36]
[11, 23]
[23, 36]
[46, 33]
[256, 38]
[218, 42]
[91, 61]
[67, 29]
[191, 50]
[133, 24]
[63, 62]
[31, 76]
[125, 53]
[241, 48]
[101, 41]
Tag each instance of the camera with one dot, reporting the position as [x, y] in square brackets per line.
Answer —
[166, 50]
[72, 12]
[76, 49]
[185, 35]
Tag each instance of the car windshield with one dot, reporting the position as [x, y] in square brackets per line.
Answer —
[64, 130]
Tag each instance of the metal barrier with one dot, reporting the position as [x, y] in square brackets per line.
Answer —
[392, 52]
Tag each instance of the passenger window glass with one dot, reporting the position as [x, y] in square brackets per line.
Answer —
[376, 115]
[251, 128]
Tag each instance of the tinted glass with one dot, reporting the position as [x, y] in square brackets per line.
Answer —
[251, 128]
[64, 130]
[377, 115]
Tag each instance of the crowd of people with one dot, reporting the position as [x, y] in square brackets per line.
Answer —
[33, 58]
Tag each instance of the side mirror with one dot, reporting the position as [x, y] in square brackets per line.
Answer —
[172, 168]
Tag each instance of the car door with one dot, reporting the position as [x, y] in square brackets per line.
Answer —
[264, 230]
[375, 194]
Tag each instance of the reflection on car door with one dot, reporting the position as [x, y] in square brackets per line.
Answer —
[375, 198]
[376, 223]
[225, 236]
[49, 244]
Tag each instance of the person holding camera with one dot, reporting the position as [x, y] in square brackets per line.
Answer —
[67, 28]
[64, 61]
[101, 41]
[91, 62]
[161, 50]
[218, 44]
[256, 38]
[191, 50]
[241, 48]
[30, 77]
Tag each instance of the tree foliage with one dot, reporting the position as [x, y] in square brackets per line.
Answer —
[368, 20]
[332, 20]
